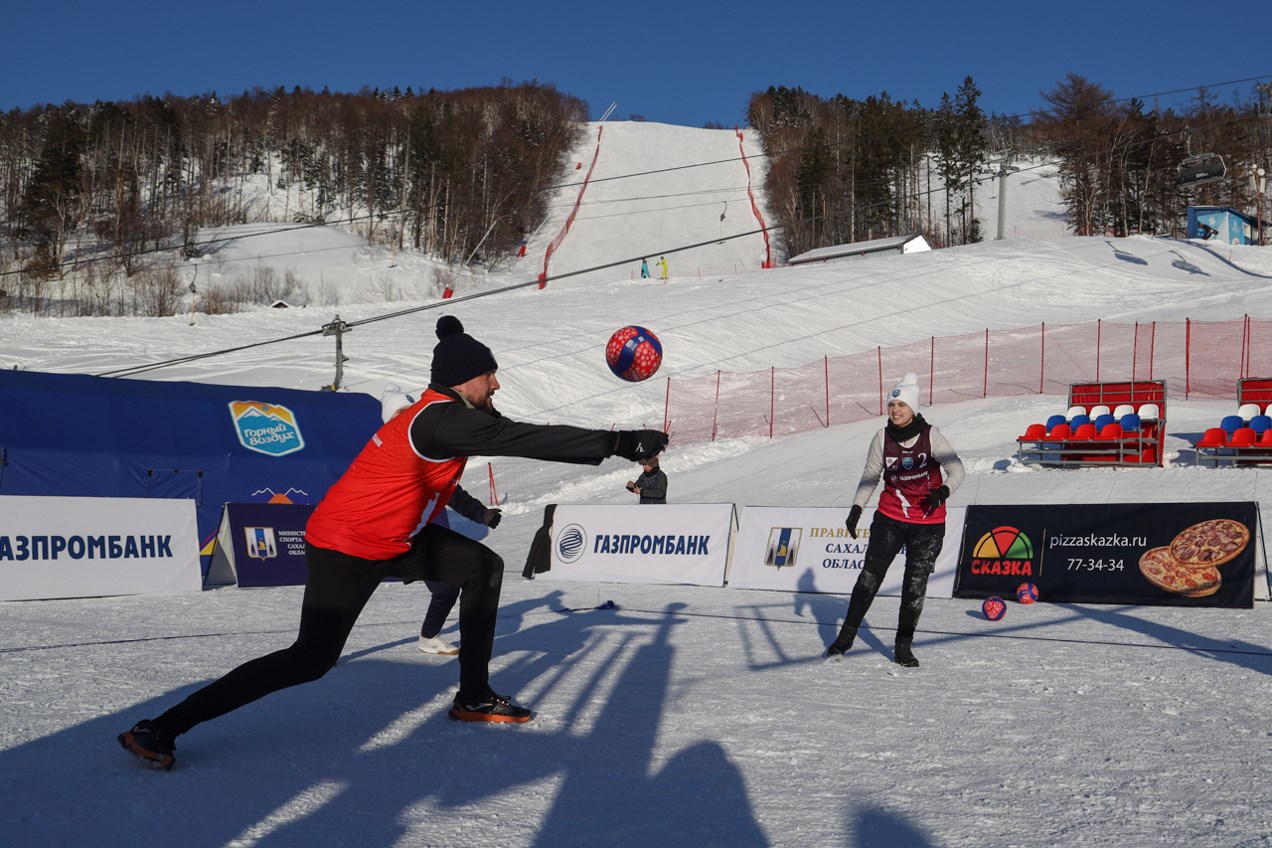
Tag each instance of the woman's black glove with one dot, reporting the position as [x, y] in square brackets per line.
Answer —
[937, 496]
[492, 518]
[854, 515]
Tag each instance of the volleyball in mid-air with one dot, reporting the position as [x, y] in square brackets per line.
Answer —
[633, 354]
[1026, 593]
[994, 608]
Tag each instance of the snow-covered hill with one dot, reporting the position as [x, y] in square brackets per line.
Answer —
[689, 715]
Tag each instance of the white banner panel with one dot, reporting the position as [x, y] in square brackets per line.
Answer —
[647, 543]
[87, 547]
[808, 549]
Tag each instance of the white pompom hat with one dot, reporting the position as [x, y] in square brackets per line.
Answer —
[906, 391]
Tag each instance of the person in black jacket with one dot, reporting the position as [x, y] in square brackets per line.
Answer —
[651, 485]
[380, 519]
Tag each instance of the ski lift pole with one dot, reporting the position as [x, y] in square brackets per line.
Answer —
[337, 328]
[493, 224]
[194, 293]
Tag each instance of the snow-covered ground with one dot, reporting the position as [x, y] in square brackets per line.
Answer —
[688, 715]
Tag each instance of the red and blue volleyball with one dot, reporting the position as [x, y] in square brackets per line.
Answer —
[994, 608]
[633, 354]
[1026, 593]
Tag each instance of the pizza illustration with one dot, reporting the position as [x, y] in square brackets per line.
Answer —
[1160, 568]
[1210, 543]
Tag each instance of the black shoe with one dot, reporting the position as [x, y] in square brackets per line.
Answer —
[489, 707]
[904, 656]
[839, 647]
[153, 746]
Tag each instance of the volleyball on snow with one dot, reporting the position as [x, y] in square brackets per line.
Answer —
[633, 354]
[1026, 593]
[994, 608]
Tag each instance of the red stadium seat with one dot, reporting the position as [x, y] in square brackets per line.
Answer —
[1214, 437]
[1035, 433]
[1244, 437]
[1111, 432]
[1059, 433]
[1083, 432]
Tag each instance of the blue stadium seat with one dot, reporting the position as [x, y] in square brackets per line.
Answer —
[1232, 423]
[1079, 419]
[1261, 423]
[1103, 420]
[1060, 419]
[1131, 422]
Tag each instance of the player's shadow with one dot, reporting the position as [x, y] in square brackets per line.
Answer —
[1244, 654]
[877, 828]
[366, 757]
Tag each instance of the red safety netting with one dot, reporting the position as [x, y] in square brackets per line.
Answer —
[1203, 359]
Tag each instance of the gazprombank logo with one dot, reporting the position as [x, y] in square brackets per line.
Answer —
[1003, 550]
[266, 428]
[569, 543]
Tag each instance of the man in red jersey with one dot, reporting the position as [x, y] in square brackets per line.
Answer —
[377, 521]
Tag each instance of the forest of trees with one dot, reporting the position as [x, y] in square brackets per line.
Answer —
[844, 170]
[99, 192]
[99, 204]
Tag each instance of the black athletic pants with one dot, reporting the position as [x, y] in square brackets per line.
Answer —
[441, 602]
[922, 543]
[337, 588]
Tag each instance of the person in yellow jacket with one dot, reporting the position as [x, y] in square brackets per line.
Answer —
[662, 267]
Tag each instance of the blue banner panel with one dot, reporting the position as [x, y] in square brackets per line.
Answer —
[73, 435]
[1182, 554]
[269, 542]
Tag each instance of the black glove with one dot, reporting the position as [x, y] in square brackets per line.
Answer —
[492, 518]
[639, 444]
[937, 496]
[854, 515]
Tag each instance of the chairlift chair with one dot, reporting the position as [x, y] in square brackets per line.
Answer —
[1200, 169]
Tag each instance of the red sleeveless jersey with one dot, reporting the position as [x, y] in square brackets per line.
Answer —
[908, 475]
[388, 494]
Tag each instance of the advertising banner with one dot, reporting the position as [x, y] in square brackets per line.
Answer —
[808, 549]
[1182, 554]
[56, 547]
[261, 545]
[651, 543]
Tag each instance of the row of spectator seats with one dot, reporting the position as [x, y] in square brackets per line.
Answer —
[1126, 415]
[1244, 438]
[1121, 434]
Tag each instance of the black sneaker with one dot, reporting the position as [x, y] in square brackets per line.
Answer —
[489, 707]
[839, 647]
[904, 656]
[151, 745]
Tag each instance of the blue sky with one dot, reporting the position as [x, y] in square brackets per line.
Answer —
[677, 62]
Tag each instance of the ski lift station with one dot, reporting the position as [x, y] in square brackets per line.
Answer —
[910, 243]
[1222, 223]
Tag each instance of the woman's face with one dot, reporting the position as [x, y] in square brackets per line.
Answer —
[900, 413]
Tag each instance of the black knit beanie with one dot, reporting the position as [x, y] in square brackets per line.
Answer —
[458, 357]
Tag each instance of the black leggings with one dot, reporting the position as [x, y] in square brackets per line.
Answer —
[337, 588]
[922, 543]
